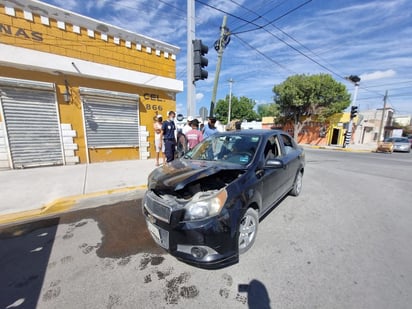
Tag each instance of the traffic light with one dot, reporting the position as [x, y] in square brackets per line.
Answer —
[199, 61]
[353, 112]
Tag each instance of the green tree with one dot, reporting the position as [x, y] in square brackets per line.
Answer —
[241, 108]
[268, 110]
[306, 96]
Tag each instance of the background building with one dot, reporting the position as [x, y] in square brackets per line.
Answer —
[76, 90]
[369, 123]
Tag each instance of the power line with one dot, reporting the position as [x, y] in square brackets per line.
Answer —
[264, 55]
[394, 83]
[274, 20]
[279, 29]
[253, 12]
[277, 37]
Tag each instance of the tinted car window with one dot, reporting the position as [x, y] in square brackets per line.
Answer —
[272, 148]
[239, 149]
[288, 143]
[397, 140]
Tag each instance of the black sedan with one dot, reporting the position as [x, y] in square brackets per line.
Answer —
[204, 208]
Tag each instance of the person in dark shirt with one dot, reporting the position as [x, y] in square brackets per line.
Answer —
[210, 128]
[168, 136]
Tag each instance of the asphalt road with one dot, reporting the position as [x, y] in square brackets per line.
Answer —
[345, 242]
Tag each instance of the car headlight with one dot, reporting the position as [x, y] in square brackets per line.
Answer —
[205, 204]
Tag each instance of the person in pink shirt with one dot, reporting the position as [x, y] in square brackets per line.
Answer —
[194, 136]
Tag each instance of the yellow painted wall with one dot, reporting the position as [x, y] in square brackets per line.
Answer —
[113, 154]
[18, 31]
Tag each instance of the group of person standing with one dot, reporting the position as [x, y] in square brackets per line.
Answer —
[166, 135]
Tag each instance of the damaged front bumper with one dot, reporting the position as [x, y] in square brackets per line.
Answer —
[208, 243]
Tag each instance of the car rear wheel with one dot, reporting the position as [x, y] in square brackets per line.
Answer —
[248, 230]
[297, 186]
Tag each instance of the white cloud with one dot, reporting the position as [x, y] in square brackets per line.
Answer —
[199, 97]
[347, 37]
[377, 75]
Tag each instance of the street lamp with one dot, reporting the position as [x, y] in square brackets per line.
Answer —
[355, 80]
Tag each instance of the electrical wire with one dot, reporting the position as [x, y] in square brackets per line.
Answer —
[264, 55]
[254, 12]
[279, 29]
[274, 20]
[389, 84]
[280, 39]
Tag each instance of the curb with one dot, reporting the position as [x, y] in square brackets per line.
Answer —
[340, 149]
[61, 205]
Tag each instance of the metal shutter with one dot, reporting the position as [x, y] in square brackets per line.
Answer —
[111, 118]
[32, 126]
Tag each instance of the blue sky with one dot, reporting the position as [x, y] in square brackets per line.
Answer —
[371, 39]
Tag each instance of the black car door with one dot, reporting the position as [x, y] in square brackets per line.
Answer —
[291, 160]
[274, 178]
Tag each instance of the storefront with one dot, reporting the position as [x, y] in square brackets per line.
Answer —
[32, 123]
[74, 90]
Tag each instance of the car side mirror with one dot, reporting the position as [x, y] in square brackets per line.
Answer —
[274, 163]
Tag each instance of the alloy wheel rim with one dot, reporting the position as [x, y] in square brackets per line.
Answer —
[299, 183]
[247, 231]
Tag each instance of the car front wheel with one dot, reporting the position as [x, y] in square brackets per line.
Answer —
[247, 230]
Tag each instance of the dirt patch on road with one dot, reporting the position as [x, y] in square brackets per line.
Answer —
[123, 228]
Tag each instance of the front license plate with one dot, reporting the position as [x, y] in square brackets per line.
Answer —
[153, 230]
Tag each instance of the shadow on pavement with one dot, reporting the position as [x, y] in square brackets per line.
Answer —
[24, 256]
[257, 295]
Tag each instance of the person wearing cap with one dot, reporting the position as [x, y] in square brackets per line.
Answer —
[187, 127]
[194, 136]
[159, 146]
[168, 136]
[210, 128]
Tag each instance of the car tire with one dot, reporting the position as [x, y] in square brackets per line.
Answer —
[248, 229]
[297, 185]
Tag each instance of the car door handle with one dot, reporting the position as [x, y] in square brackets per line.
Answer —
[259, 173]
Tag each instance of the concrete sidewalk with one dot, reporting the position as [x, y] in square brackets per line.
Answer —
[34, 192]
[370, 147]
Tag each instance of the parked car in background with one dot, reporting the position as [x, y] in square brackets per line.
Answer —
[204, 208]
[400, 144]
[410, 139]
[385, 147]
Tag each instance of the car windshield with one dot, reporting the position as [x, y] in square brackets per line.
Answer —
[397, 140]
[238, 149]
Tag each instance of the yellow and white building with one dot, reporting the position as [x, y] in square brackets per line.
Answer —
[77, 90]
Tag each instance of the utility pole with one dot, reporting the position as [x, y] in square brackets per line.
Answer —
[354, 79]
[383, 116]
[230, 99]
[219, 46]
[190, 86]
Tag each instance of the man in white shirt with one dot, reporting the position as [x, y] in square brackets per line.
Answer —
[187, 127]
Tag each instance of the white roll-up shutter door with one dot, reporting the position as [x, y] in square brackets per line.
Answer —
[32, 123]
[111, 118]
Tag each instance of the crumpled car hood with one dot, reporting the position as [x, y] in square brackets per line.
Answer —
[177, 174]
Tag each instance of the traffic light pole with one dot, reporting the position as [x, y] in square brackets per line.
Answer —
[191, 88]
[218, 65]
[349, 130]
